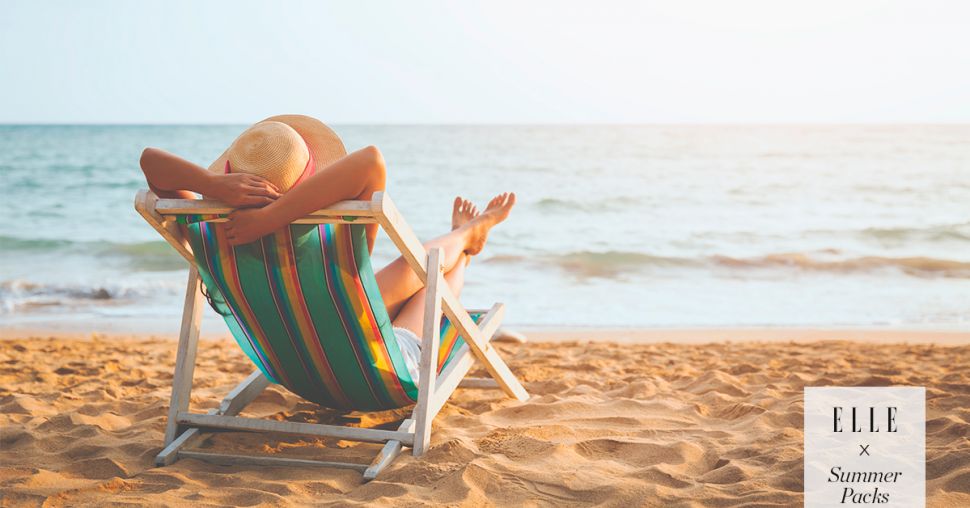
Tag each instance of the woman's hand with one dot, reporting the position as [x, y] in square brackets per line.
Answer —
[249, 225]
[242, 190]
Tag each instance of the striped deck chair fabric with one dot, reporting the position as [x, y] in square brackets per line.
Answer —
[304, 306]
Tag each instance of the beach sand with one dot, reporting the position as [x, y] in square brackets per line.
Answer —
[612, 423]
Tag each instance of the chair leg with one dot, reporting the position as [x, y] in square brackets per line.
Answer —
[185, 357]
[484, 351]
[453, 375]
[387, 454]
[231, 405]
[244, 393]
[429, 355]
[170, 453]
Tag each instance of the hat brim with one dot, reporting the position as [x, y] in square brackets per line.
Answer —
[320, 139]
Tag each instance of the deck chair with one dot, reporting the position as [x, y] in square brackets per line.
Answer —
[304, 306]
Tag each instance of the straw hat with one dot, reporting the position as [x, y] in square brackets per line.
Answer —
[279, 148]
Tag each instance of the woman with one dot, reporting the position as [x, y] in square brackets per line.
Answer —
[287, 166]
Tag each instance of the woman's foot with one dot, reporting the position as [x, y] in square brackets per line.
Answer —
[463, 212]
[478, 227]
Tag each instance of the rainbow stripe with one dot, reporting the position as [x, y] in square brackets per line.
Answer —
[304, 305]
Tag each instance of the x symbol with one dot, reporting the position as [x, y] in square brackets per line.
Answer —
[865, 450]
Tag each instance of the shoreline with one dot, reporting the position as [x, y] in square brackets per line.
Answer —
[623, 335]
[751, 334]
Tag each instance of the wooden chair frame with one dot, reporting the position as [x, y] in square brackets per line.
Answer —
[185, 427]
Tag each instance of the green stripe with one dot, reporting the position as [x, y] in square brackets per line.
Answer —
[326, 320]
[255, 285]
[357, 334]
[219, 300]
[288, 319]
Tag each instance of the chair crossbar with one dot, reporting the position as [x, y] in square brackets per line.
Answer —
[235, 423]
[207, 206]
[228, 459]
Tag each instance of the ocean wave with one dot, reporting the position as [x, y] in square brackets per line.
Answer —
[618, 203]
[928, 234]
[615, 264]
[608, 264]
[925, 236]
[138, 256]
[152, 256]
[913, 265]
[13, 243]
[19, 294]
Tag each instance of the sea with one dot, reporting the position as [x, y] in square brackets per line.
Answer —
[616, 226]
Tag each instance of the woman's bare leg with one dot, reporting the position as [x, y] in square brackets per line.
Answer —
[411, 315]
[398, 283]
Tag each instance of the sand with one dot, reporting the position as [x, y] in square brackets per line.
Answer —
[616, 424]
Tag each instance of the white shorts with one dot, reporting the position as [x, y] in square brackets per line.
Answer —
[410, 346]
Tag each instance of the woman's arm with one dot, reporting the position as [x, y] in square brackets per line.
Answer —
[170, 176]
[356, 176]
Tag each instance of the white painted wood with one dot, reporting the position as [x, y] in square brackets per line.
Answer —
[243, 394]
[506, 380]
[235, 401]
[489, 357]
[491, 321]
[454, 375]
[458, 368]
[170, 453]
[319, 220]
[145, 202]
[185, 355]
[431, 337]
[449, 379]
[232, 459]
[387, 454]
[207, 206]
[463, 321]
[401, 234]
[236, 423]
[478, 383]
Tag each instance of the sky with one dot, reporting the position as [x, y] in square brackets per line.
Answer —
[497, 61]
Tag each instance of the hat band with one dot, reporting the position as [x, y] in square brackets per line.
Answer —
[308, 170]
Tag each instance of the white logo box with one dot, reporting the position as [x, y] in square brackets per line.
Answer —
[865, 446]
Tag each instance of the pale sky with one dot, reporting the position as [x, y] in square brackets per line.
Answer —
[680, 61]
